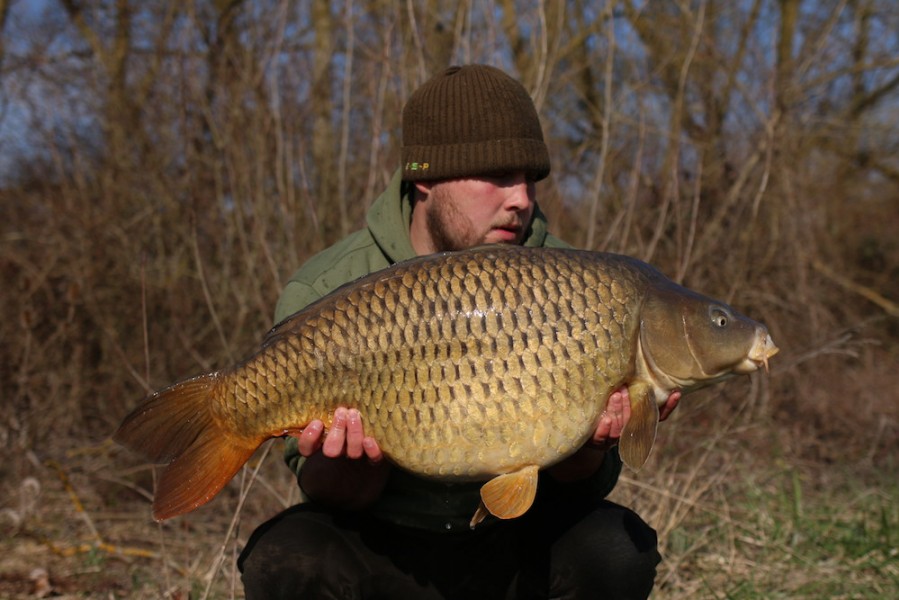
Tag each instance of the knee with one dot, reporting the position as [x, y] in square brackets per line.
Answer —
[638, 544]
[297, 551]
[612, 549]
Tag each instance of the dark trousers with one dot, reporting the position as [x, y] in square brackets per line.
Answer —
[605, 552]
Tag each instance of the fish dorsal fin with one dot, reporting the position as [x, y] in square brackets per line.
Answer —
[639, 434]
[508, 496]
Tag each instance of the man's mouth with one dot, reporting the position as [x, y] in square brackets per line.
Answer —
[507, 233]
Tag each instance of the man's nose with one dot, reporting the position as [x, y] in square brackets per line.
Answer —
[521, 195]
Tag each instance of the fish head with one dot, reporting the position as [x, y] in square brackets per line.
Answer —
[688, 340]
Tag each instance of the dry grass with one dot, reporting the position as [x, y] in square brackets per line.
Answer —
[754, 510]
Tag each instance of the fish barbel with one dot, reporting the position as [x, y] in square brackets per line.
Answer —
[481, 365]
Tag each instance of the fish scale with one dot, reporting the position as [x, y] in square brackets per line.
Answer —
[477, 365]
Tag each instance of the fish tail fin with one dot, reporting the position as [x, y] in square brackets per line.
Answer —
[175, 427]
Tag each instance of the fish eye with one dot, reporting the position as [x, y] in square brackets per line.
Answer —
[719, 317]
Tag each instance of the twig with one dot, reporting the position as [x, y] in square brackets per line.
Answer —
[890, 307]
[97, 543]
[143, 312]
[604, 136]
[672, 159]
[691, 230]
[76, 501]
[245, 489]
[110, 549]
[198, 259]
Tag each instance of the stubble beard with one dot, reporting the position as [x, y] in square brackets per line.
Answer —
[449, 228]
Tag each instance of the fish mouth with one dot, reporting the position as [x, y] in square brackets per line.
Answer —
[762, 349]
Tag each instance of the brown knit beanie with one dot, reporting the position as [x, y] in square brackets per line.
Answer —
[468, 121]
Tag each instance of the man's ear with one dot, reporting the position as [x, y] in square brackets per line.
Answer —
[423, 187]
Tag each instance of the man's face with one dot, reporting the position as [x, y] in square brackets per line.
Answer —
[462, 213]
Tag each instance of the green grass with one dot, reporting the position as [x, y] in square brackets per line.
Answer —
[790, 533]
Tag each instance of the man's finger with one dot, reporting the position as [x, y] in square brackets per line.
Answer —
[372, 450]
[310, 439]
[669, 406]
[603, 430]
[624, 415]
[616, 403]
[336, 438]
[354, 434]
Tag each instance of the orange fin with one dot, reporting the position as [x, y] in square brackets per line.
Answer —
[639, 434]
[175, 427]
[479, 515]
[507, 496]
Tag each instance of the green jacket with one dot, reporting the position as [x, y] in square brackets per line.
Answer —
[407, 500]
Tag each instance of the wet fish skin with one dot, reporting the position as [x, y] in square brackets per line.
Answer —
[485, 364]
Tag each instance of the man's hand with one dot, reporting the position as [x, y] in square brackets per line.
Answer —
[612, 421]
[345, 438]
[333, 473]
[617, 414]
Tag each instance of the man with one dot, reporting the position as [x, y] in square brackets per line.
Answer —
[472, 152]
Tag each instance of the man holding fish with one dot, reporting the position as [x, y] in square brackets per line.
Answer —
[472, 153]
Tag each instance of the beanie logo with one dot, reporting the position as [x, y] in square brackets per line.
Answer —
[417, 166]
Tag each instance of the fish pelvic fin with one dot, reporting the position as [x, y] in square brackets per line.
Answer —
[175, 427]
[507, 496]
[639, 434]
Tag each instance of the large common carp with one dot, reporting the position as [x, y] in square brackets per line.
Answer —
[487, 365]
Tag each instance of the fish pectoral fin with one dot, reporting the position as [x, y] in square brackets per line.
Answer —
[639, 434]
[509, 495]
